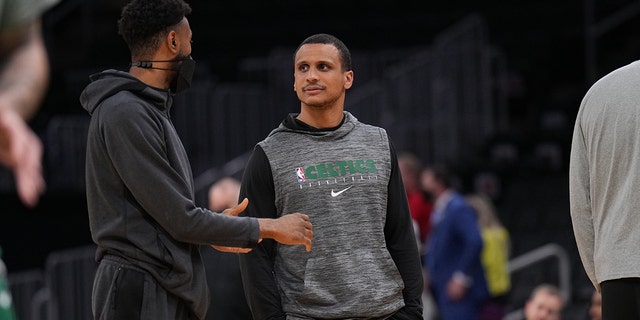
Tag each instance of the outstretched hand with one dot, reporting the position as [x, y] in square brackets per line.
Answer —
[294, 228]
[291, 229]
[21, 151]
[237, 209]
[456, 290]
[234, 211]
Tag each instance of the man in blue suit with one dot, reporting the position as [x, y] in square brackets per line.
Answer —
[454, 268]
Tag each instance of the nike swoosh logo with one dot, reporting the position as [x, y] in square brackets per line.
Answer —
[335, 194]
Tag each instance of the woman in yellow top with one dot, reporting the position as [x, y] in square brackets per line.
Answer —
[495, 255]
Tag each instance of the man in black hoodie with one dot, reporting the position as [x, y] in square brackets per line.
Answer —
[140, 192]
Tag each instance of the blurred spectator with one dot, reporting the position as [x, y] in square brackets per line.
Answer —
[545, 303]
[419, 205]
[454, 246]
[223, 271]
[24, 77]
[595, 308]
[224, 194]
[495, 256]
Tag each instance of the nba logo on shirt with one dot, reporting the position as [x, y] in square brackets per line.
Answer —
[300, 174]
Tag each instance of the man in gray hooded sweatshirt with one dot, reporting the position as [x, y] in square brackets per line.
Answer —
[140, 193]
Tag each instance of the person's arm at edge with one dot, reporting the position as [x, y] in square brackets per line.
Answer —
[25, 74]
[23, 82]
[401, 242]
[580, 201]
[260, 287]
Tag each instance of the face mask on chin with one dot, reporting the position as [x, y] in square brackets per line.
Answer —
[183, 78]
[184, 71]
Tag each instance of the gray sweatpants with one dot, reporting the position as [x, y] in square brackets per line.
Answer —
[123, 291]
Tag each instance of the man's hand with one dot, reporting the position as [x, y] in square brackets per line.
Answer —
[234, 211]
[294, 228]
[21, 151]
[456, 289]
[291, 229]
[237, 209]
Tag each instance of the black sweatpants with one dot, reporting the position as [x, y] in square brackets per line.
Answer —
[123, 291]
[621, 299]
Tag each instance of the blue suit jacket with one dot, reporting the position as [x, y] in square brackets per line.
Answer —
[455, 244]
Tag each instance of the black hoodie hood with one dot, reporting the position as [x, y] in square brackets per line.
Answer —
[109, 82]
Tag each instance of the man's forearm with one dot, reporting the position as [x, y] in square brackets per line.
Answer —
[25, 74]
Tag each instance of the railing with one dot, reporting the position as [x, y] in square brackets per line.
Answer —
[64, 288]
[538, 255]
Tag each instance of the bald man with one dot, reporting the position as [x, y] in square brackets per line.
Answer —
[224, 194]
[545, 303]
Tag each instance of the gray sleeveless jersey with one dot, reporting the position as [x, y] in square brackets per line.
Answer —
[340, 179]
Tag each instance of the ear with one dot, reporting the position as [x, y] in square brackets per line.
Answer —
[172, 41]
[348, 79]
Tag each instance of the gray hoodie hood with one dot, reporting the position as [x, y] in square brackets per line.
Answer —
[106, 83]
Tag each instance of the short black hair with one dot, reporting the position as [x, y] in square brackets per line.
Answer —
[323, 38]
[442, 174]
[144, 22]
